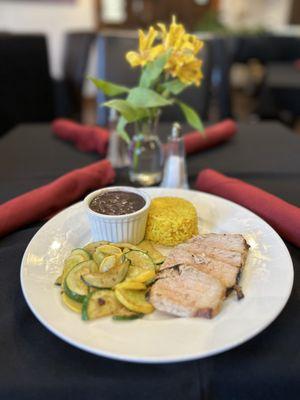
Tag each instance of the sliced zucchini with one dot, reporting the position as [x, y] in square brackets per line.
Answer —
[82, 253]
[140, 259]
[134, 300]
[124, 245]
[74, 286]
[100, 303]
[134, 272]
[108, 249]
[91, 247]
[71, 304]
[107, 279]
[69, 263]
[127, 317]
[148, 247]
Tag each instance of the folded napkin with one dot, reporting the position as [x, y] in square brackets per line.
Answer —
[282, 216]
[297, 64]
[47, 200]
[85, 137]
[214, 135]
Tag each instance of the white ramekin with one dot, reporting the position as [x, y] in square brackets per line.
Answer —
[118, 228]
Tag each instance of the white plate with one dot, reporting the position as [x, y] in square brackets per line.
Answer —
[267, 282]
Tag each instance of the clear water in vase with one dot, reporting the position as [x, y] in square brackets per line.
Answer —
[146, 159]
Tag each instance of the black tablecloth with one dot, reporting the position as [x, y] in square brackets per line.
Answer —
[35, 364]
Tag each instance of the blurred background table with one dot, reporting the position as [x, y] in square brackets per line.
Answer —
[35, 364]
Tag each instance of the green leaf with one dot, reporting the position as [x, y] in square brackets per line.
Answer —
[152, 71]
[128, 111]
[147, 98]
[175, 86]
[191, 116]
[109, 88]
[121, 129]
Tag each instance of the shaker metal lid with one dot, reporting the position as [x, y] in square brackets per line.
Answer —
[176, 130]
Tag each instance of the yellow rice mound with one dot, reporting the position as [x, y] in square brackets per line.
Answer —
[171, 220]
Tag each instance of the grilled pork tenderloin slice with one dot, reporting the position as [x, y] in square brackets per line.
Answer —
[220, 255]
[230, 257]
[226, 241]
[226, 273]
[187, 292]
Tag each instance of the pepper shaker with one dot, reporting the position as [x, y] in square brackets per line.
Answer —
[175, 175]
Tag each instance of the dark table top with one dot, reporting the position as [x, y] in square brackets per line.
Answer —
[35, 364]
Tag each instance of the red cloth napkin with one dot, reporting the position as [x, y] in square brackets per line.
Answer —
[297, 64]
[282, 216]
[214, 135]
[47, 200]
[85, 137]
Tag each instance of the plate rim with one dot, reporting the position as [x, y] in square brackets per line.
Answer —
[156, 359]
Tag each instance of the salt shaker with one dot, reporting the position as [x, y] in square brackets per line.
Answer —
[117, 152]
[175, 175]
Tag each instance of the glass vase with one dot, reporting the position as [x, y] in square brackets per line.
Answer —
[146, 155]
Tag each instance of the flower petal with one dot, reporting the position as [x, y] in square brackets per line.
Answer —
[133, 58]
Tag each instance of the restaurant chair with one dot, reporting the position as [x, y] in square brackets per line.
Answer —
[26, 88]
[220, 79]
[112, 66]
[68, 91]
[280, 89]
[266, 48]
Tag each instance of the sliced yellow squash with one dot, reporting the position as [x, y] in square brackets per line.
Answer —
[108, 263]
[100, 303]
[108, 249]
[125, 245]
[134, 300]
[138, 274]
[91, 247]
[144, 276]
[132, 285]
[98, 256]
[71, 304]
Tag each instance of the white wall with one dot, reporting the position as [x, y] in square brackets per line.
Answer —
[51, 19]
[253, 13]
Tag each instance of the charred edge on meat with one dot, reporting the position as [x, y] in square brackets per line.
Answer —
[158, 276]
[238, 277]
[204, 313]
[239, 293]
[237, 288]
[176, 268]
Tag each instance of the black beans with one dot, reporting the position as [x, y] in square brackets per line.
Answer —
[117, 203]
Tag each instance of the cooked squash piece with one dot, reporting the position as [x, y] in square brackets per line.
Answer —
[100, 303]
[107, 279]
[134, 300]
